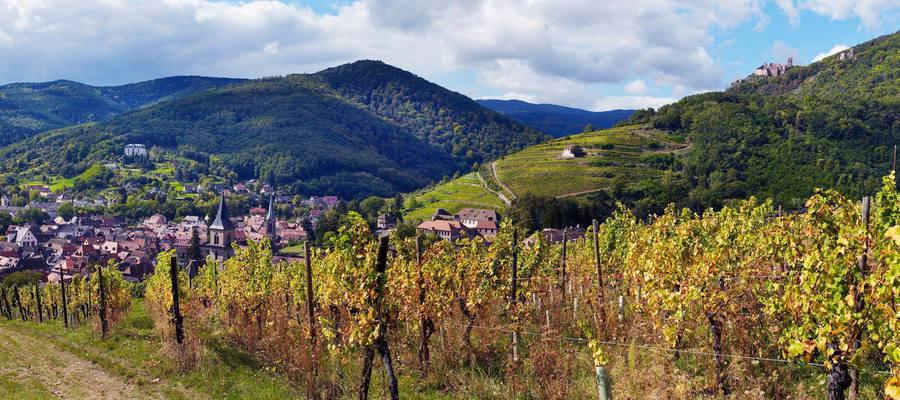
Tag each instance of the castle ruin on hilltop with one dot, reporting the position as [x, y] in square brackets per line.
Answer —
[772, 69]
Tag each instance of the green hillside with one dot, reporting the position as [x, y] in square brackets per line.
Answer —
[613, 157]
[306, 133]
[831, 124]
[29, 108]
[465, 191]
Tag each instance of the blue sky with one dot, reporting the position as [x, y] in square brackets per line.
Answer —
[583, 53]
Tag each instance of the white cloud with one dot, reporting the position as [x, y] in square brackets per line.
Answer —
[630, 102]
[546, 50]
[872, 13]
[636, 87]
[271, 48]
[790, 11]
[834, 50]
[126, 40]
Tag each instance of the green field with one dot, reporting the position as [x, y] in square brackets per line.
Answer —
[617, 153]
[465, 191]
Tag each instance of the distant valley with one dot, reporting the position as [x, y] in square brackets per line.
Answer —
[554, 119]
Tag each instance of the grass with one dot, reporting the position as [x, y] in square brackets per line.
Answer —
[132, 353]
[465, 191]
[611, 154]
[56, 183]
[295, 249]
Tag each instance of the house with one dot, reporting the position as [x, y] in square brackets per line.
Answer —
[482, 222]
[386, 221]
[25, 236]
[330, 201]
[572, 151]
[135, 150]
[447, 230]
[156, 220]
[471, 216]
[556, 236]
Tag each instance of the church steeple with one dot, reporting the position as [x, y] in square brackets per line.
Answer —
[270, 221]
[223, 220]
[221, 233]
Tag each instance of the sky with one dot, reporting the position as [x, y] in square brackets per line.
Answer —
[592, 54]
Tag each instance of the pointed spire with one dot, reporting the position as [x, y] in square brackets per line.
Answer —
[222, 221]
[270, 216]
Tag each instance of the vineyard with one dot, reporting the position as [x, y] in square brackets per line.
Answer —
[746, 302]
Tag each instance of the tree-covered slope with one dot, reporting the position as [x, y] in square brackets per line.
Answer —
[29, 108]
[831, 124]
[308, 133]
[445, 119]
[554, 119]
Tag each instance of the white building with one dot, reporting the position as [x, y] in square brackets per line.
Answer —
[135, 150]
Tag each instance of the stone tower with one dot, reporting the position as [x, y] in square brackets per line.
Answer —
[221, 234]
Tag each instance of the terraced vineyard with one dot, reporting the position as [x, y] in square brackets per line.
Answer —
[465, 191]
[626, 154]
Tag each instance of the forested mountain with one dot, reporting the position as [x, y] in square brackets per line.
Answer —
[359, 129]
[554, 119]
[447, 120]
[29, 108]
[831, 124]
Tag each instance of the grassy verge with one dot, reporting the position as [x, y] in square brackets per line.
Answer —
[133, 353]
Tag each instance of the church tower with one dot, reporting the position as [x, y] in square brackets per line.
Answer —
[270, 222]
[221, 234]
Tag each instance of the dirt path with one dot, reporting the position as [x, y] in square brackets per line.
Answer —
[497, 179]
[64, 374]
[494, 192]
[573, 194]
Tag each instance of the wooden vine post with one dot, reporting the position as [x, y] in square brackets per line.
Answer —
[311, 319]
[859, 302]
[426, 325]
[65, 305]
[562, 265]
[599, 371]
[380, 344]
[104, 323]
[37, 300]
[4, 302]
[601, 300]
[177, 318]
[512, 293]
[19, 304]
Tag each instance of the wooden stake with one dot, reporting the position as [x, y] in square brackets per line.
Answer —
[512, 294]
[65, 305]
[562, 264]
[177, 318]
[601, 301]
[311, 319]
[104, 324]
[37, 299]
[860, 300]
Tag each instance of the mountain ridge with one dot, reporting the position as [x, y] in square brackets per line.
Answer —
[28, 108]
[554, 119]
[358, 129]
